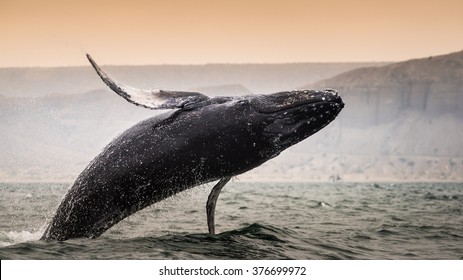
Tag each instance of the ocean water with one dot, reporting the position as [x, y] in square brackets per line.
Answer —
[254, 221]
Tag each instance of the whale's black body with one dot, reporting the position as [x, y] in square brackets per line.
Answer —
[202, 140]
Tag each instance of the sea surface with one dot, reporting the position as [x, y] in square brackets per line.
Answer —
[254, 221]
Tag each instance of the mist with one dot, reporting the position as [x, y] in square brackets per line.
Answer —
[402, 121]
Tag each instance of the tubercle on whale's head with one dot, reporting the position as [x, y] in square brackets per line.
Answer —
[289, 99]
[293, 116]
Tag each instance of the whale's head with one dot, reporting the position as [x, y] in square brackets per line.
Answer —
[290, 117]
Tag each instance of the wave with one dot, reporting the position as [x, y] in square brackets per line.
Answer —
[255, 241]
[431, 196]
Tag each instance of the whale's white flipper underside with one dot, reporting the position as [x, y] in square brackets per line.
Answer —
[212, 201]
[152, 99]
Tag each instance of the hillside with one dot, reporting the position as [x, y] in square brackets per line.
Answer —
[417, 103]
[402, 121]
[432, 85]
[258, 78]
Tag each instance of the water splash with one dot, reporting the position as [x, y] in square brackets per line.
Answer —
[15, 237]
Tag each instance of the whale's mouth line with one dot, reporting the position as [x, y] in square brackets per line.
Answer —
[338, 104]
[291, 125]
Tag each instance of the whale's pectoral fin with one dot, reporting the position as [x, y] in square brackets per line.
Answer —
[211, 202]
[152, 99]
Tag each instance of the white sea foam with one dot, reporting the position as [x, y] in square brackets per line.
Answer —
[14, 237]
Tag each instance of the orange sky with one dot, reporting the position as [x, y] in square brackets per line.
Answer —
[60, 32]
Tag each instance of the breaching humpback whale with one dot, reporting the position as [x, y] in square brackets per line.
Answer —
[200, 140]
